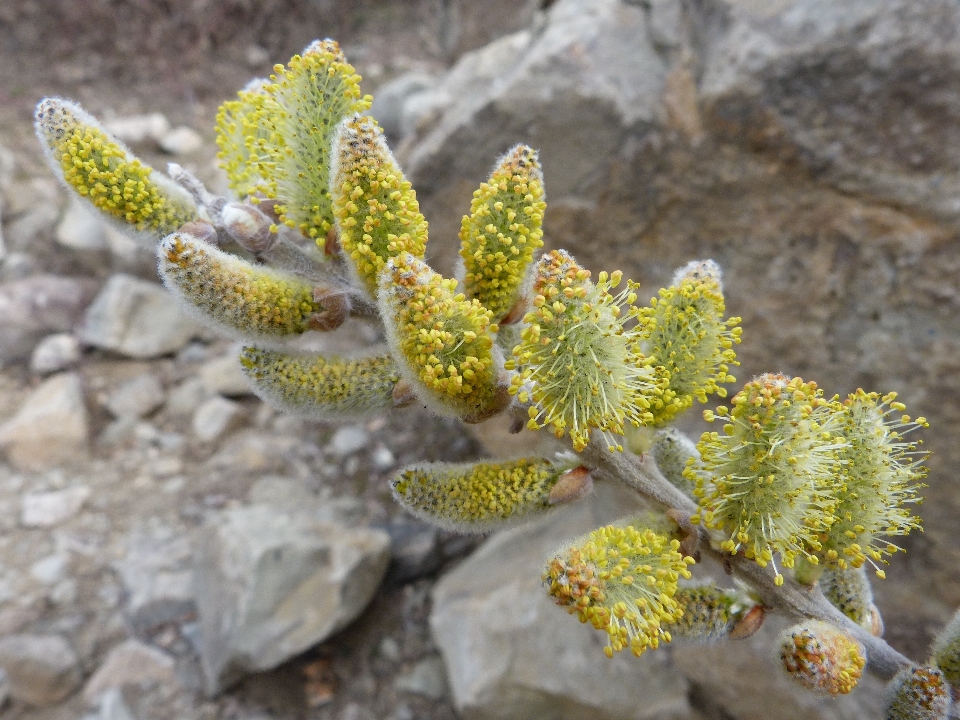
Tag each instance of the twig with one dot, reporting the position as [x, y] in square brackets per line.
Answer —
[791, 598]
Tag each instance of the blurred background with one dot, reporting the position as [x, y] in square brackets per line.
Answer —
[170, 547]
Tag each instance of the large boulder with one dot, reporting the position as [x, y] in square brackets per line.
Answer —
[511, 653]
[810, 147]
[270, 584]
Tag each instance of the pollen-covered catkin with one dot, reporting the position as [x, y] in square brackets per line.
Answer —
[376, 209]
[919, 693]
[441, 340]
[478, 497]
[245, 301]
[276, 137]
[879, 480]
[621, 580]
[577, 363]
[101, 170]
[766, 480]
[690, 342]
[503, 230]
[327, 388]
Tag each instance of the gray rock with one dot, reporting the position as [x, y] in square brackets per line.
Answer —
[347, 440]
[388, 103]
[518, 81]
[46, 509]
[51, 569]
[114, 707]
[130, 663]
[181, 141]
[139, 128]
[511, 653]
[426, 678]
[157, 575]
[36, 306]
[55, 353]
[24, 231]
[137, 319]
[186, 397]
[128, 255]
[269, 585]
[223, 376]
[414, 550]
[41, 669]
[80, 229]
[215, 418]
[50, 428]
[136, 397]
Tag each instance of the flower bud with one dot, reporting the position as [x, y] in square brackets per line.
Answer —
[821, 657]
[479, 497]
[327, 388]
[919, 693]
[100, 169]
[242, 300]
[946, 651]
[248, 226]
[502, 232]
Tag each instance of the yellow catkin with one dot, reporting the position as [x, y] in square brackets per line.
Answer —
[376, 209]
[688, 339]
[765, 481]
[576, 363]
[621, 580]
[105, 173]
[878, 482]
[243, 300]
[503, 230]
[477, 497]
[321, 387]
[442, 341]
[276, 137]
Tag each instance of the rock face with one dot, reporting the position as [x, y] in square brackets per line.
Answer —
[811, 148]
[137, 319]
[51, 426]
[511, 653]
[270, 584]
[41, 669]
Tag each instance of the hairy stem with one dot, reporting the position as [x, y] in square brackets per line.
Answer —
[792, 599]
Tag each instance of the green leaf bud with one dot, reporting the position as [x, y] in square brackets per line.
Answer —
[821, 657]
[880, 470]
[321, 387]
[766, 479]
[503, 230]
[242, 300]
[688, 339]
[376, 209]
[481, 497]
[621, 580]
[919, 693]
[576, 361]
[100, 169]
[442, 341]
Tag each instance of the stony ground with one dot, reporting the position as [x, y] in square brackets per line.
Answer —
[152, 474]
